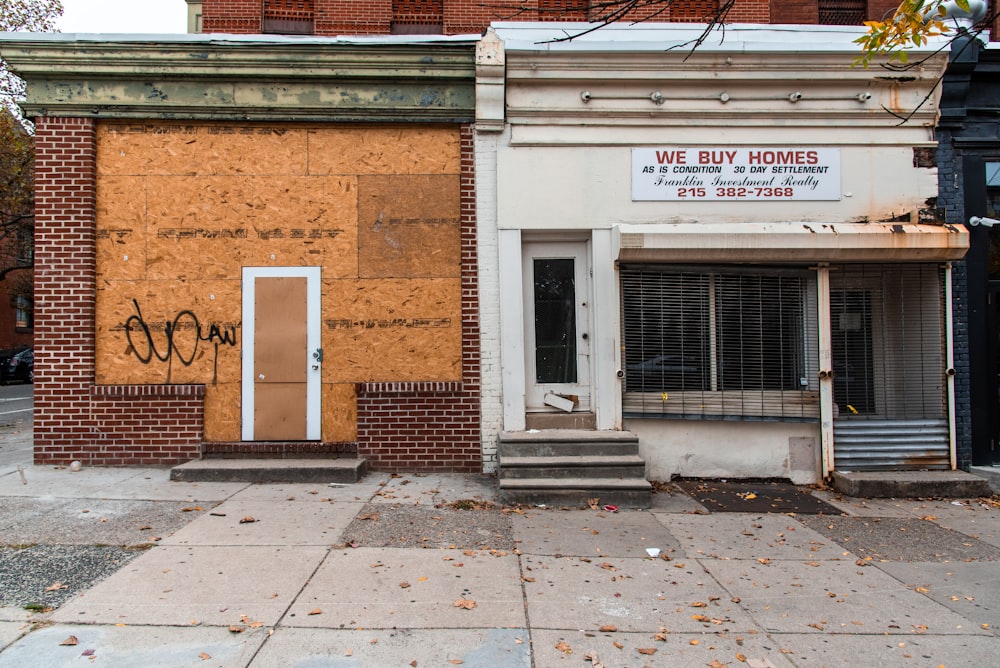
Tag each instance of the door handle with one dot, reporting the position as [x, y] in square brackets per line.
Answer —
[318, 356]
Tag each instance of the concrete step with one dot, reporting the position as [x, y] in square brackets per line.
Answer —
[567, 442]
[271, 470]
[910, 484]
[628, 493]
[593, 466]
[989, 473]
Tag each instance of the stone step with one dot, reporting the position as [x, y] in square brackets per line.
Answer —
[567, 442]
[628, 493]
[343, 470]
[909, 484]
[595, 466]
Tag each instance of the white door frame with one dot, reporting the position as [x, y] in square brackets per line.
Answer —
[579, 251]
[314, 374]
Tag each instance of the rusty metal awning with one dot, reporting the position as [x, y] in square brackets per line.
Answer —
[790, 242]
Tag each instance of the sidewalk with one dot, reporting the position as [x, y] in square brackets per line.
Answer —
[422, 570]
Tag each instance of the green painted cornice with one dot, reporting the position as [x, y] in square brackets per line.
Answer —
[261, 78]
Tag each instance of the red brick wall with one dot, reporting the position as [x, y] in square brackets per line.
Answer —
[374, 17]
[353, 17]
[232, 16]
[73, 418]
[795, 11]
[433, 426]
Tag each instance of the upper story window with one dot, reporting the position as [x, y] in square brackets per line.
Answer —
[417, 17]
[288, 17]
[842, 12]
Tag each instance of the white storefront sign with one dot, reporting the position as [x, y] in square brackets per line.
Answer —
[721, 173]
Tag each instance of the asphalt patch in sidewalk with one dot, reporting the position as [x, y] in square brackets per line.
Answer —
[384, 525]
[45, 576]
[748, 496]
[901, 539]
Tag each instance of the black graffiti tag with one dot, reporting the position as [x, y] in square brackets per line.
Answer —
[181, 338]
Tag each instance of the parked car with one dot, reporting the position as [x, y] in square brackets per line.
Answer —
[17, 364]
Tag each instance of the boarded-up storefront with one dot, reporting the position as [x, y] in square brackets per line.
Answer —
[287, 254]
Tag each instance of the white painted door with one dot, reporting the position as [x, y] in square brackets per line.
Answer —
[282, 357]
[557, 326]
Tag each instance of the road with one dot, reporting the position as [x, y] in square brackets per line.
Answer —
[16, 406]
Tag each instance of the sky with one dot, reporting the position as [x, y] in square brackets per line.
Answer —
[124, 16]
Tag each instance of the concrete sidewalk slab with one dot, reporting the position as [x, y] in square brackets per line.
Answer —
[100, 522]
[212, 586]
[11, 631]
[668, 649]
[589, 533]
[969, 516]
[971, 589]
[128, 646]
[930, 651]
[635, 595]
[435, 489]
[739, 535]
[240, 522]
[853, 506]
[675, 501]
[361, 491]
[411, 588]
[110, 483]
[470, 648]
[832, 597]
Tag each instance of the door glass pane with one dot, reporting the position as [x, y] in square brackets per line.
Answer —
[555, 321]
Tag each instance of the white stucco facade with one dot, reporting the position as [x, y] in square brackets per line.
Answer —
[557, 124]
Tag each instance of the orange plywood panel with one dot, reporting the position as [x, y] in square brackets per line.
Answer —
[340, 413]
[392, 330]
[409, 226]
[409, 149]
[222, 412]
[168, 332]
[279, 412]
[164, 147]
[121, 227]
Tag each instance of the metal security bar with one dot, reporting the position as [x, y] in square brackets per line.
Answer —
[888, 349]
[719, 343]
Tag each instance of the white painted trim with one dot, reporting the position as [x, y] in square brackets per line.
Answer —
[823, 320]
[314, 377]
[511, 329]
[605, 350]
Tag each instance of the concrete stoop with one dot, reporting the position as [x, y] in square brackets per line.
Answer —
[572, 467]
[909, 484]
[990, 473]
[343, 470]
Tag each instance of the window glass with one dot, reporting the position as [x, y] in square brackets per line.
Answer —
[724, 343]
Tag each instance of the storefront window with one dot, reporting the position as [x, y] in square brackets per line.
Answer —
[719, 342]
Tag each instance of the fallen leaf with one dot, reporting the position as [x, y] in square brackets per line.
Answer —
[609, 628]
[204, 656]
[648, 651]
[464, 603]
[763, 560]
[618, 645]
[564, 647]
[816, 626]
[699, 604]
[456, 662]
[527, 579]
[315, 611]
[236, 628]
[90, 652]
[716, 664]
[188, 510]
[694, 641]
[608, 567]
[56, 587]
[247, 520]
[404, 585]
[72, 640]
[741, 657]
[700, 618]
